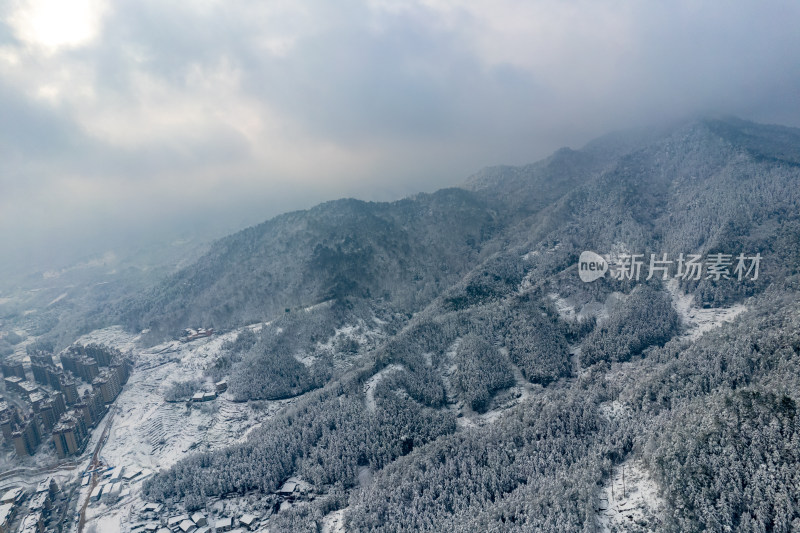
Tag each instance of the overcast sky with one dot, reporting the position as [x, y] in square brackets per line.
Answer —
[118, 117]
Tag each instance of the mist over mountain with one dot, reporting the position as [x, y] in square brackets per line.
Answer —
[702, 186]
[383, 266]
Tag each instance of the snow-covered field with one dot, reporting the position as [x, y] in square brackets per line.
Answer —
[699, 320]
[364, 334]
[334, 522]
[569, 309]
[150, 434]
[630, 501]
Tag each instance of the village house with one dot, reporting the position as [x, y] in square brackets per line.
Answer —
[175, 521]
[248, 521]
[6, 516]
[223, 524]
[12, 496]
[199, 520]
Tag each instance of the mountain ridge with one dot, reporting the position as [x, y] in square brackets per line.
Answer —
[350, 248]
[506, 394]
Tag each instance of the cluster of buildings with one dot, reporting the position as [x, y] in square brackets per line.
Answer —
[204, 396]
[207, 396]
[38, 507]
[113, 483]
[154, 519]
[190, 334]
[195, 523]
[53, 404]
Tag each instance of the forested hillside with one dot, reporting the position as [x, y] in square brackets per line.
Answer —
[405, 252]
[493, 390]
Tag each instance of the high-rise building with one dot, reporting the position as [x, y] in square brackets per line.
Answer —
[59, 404]
[27, 438]
[7, 425]
[70, 389]
[40, 373]
[13, 368]
[42, 358]
[48, 415]
[69, 436]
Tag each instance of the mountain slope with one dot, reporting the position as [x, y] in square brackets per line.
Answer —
[404, 252]
[584, 378]
[703, 185]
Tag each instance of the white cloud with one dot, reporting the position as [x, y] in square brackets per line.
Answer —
[55, 24]
[116, 106]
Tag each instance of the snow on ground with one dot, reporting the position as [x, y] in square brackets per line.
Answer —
[365, 336]
[369, 386]
[326, 303]
[630, 501]
[333, 522]
[567, 308]
[111, 518]
[58, 299]
[614, 409]
[114, 336]
[699, 320]
[505, 400]
[500, 403]
[151, 434]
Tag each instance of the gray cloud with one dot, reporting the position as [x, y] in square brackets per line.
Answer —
[143, 114]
